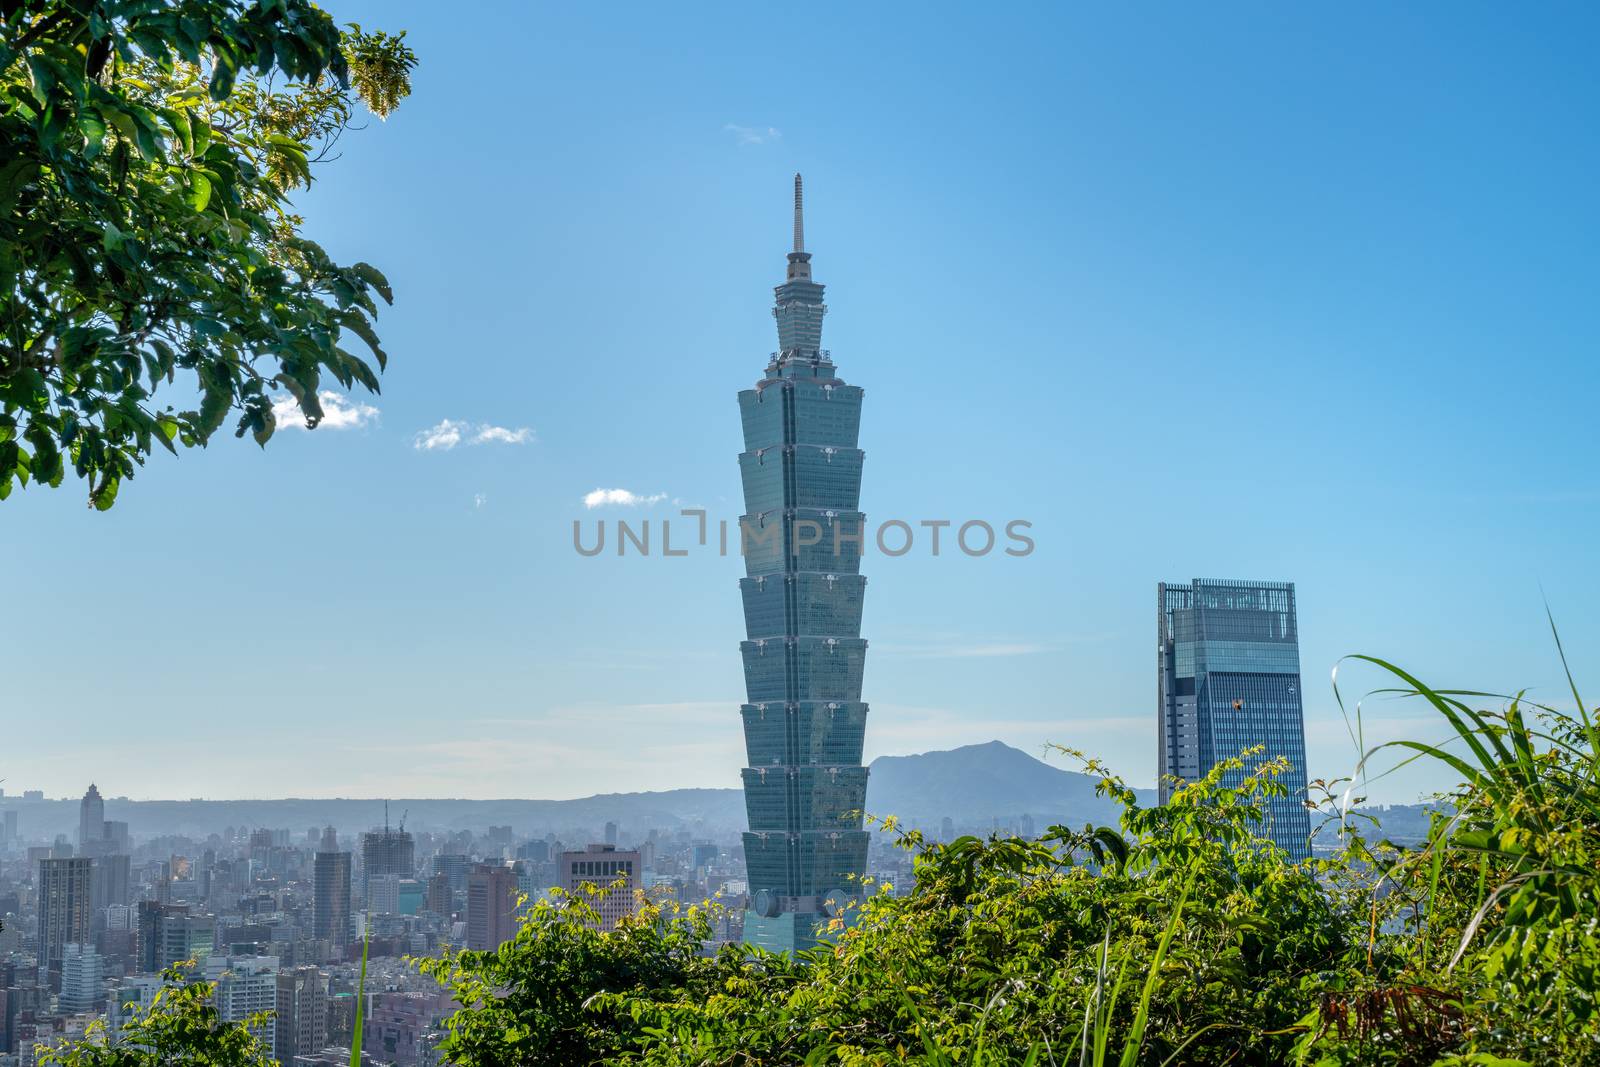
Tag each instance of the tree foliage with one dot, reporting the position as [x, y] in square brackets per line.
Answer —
[148, 149]
[182, 1028]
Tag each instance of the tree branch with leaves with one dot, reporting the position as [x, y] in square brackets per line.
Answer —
[148, 242]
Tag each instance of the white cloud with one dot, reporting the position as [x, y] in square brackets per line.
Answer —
[450, 432]
[442, 437]
[479, 499]
[502, 435]
[600, 498]
[753, 134]
[338, 413]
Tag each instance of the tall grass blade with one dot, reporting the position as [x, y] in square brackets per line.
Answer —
[1091, 1010]
[361, 996]
[1590, 728]
[1130, 1051]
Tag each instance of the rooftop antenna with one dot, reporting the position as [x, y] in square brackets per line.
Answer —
[799, 216]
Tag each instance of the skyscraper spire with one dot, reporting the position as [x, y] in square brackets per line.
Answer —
[799, 216]
[799, 259]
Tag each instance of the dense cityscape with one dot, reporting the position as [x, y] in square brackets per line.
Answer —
[275, 916]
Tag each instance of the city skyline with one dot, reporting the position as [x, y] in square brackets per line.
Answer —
[1318, 288]
[368, 477]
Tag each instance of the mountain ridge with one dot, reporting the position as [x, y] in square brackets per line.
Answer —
[973, 785]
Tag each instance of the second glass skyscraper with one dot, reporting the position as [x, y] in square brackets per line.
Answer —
[1228, 669]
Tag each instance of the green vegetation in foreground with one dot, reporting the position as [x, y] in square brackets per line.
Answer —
[1180, 937]
[148, 149]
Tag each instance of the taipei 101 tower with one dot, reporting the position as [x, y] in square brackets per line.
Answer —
[805, 787]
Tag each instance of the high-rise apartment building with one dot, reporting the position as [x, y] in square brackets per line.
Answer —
[801, 537]
[330, 899]
[301, 1019]
[65, 910]
[441, 900]
[246, 986]
[603, 867]
[1228, 679]
[491, 905]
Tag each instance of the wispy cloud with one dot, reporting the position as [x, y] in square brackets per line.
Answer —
[450, 432]
[502, 435]
[626, 498]
[964, 650]
[753, 134]
[479, 500]
[339, 412]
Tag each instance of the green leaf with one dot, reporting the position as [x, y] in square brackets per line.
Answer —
[94, 131]
[357, 324]
[105, 494]
[167, 432]
[374, 277]
[178, 122]
[199, 190]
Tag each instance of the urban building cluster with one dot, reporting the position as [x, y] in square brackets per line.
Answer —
[275, 918]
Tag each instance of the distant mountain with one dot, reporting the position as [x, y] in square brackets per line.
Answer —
[973, 785]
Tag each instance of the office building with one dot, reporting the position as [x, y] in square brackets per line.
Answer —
[455, 867]
[383, 894]
[169, 936]
[491, 906]
[330, 900]
[602, 867]
[91, 819]
[1228, 679]
[83, 976]
[110, 881]
[801, 537]
[117, 837]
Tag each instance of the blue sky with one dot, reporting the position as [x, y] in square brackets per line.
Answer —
[1240, 291]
